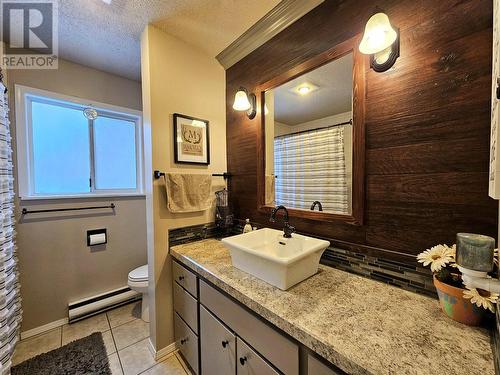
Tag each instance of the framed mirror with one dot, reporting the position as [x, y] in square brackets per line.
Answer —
[312, 151]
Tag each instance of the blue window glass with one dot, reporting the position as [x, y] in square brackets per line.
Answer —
[61, 152]
[114, 154]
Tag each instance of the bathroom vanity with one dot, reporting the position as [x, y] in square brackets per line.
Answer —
[229, 322]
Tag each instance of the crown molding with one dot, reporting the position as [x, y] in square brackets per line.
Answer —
[277, 20]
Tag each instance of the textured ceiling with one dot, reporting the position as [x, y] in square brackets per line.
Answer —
[333, 96]
[107, 37]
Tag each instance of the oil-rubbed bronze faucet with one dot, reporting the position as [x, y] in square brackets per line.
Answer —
[287, 229]
[318, 203]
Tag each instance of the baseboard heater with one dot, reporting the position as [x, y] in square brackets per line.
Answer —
[94, 305]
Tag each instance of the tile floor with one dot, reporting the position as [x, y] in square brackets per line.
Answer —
[125, 336]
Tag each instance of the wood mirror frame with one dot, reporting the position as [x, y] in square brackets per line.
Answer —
[358, 117]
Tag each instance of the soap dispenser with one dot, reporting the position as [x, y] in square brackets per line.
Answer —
[248, 227]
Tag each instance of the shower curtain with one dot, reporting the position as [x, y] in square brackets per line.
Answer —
[10, 301]
[311, 166]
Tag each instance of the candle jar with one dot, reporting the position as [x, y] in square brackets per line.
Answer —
[475, 252]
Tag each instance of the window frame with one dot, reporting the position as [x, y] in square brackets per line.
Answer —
[24, 141]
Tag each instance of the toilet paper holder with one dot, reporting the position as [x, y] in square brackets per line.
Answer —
[97, 237]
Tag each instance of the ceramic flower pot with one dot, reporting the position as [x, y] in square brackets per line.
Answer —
[456, 306]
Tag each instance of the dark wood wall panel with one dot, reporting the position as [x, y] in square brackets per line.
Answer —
[427, 123]
[440, 156]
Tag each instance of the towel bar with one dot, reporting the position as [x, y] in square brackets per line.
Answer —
[25, 211]
[158, 174]
[225, 175]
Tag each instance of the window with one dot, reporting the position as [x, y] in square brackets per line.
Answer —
[62, 153]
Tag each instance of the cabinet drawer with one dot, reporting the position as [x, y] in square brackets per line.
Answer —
[250, 363]
[218, 346]
[272, 345]
[185, 278]
[315, 367]
[187, 342]
[186, 306]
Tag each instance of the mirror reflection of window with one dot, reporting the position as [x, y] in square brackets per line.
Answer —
[309, 140]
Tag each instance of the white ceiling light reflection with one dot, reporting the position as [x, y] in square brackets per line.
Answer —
[304, 88]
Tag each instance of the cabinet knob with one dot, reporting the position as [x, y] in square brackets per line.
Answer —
[225, 343]
[181, 278]
[183, 341]
[243, 360]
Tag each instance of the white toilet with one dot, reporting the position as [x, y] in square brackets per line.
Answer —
[138, 281]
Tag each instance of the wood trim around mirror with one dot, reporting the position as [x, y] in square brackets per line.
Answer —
[358, 117]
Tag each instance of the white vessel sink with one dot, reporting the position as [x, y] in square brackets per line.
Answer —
[282, 262]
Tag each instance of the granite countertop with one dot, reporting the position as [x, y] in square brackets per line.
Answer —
[360, 325]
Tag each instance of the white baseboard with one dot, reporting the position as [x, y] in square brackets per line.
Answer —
[162, 353]
[42, 329]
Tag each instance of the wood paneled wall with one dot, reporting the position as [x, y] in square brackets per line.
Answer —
[427, 123]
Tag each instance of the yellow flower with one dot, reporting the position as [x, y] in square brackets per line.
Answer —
[438, 257]
[482, 298]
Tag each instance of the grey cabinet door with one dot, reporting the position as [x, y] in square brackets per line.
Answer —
[218, 346]
[272, 345]
[187, 342]
[186, 306]
[249, 362]
[185, 278]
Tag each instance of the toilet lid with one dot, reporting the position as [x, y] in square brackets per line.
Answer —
[139, 274]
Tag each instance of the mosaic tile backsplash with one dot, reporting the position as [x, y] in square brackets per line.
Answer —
[412, 278]
[183, 235]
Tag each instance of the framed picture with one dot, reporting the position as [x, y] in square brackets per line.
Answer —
[191, 140]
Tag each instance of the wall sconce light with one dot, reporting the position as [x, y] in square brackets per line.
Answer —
[245, 102]
[381, 41]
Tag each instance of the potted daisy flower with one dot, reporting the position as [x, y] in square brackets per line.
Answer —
[468, 306]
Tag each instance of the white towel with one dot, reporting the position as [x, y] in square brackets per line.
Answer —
[270, 190]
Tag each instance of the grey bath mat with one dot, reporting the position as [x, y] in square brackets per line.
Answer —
[84, 356]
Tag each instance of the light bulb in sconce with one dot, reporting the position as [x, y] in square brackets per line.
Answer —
[378, 35]
[245, 102]
[381, 41]
[382, 56]
[241, 102]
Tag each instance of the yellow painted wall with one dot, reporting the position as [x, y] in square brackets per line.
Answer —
[177, 78]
